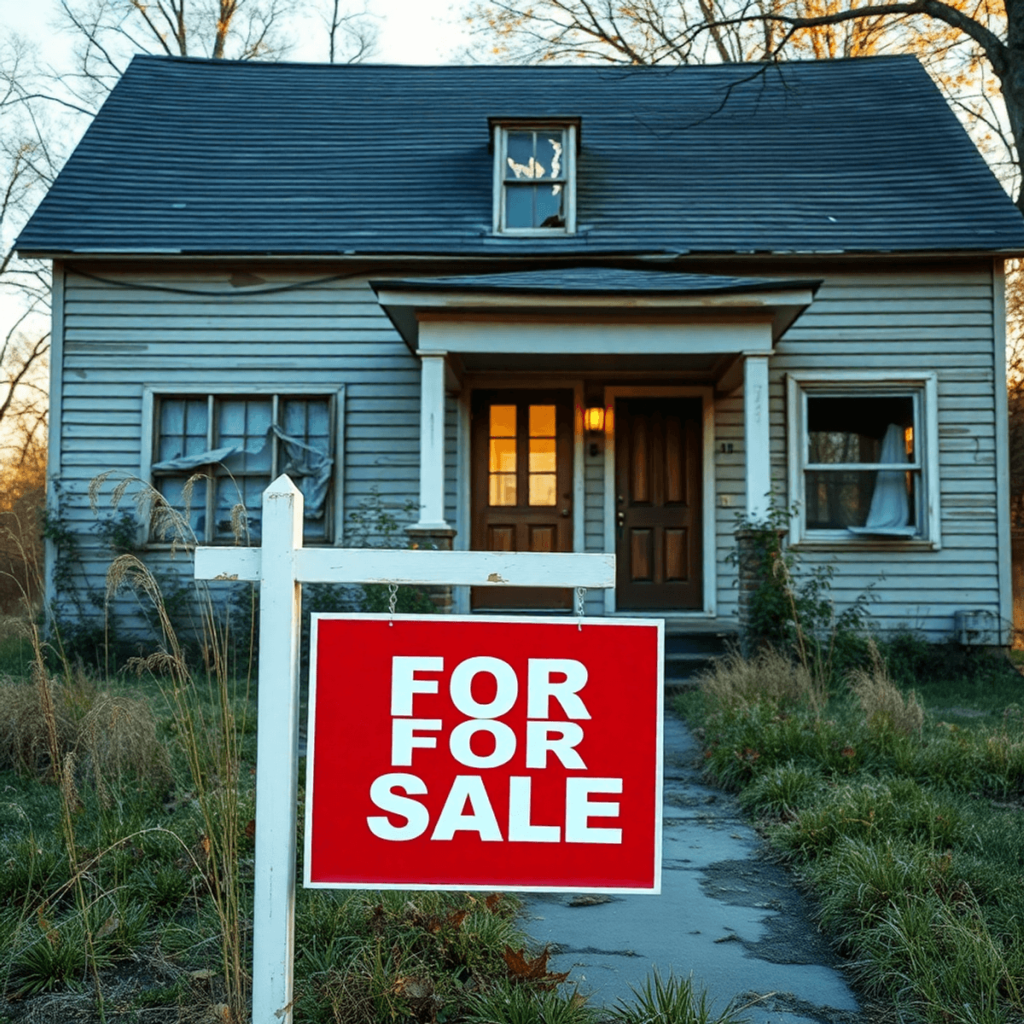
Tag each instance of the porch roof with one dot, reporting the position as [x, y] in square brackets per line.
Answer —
[600, 291]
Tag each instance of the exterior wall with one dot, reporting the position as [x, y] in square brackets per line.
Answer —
[117, 340]
[120, 338]
[938, 320]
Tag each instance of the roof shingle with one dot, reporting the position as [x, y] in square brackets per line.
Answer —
[218, 157]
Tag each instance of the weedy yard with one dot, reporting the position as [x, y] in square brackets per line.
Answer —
[901, 807]
[127, 831]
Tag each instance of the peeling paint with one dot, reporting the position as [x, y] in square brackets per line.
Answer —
[495, 577]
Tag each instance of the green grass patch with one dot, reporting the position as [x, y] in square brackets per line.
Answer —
[902, 807]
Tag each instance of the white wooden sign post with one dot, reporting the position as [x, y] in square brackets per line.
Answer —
[281, 566]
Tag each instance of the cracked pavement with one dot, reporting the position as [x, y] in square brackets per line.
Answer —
[726, 913]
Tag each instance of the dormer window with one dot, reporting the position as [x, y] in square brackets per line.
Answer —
[535, 180]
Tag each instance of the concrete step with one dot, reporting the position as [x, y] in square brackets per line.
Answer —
[689, 651]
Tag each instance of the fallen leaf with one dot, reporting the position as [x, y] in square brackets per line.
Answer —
[521, 968]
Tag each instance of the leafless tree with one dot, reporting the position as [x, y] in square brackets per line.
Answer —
[27, 165]
[973, 48]
[351, 34]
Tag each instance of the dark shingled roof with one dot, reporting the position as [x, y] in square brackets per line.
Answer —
[217, 157]
[595, 281]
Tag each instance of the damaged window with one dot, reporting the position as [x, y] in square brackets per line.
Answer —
[863, 464]
[214, 453]
[534, 182]
[862, 470]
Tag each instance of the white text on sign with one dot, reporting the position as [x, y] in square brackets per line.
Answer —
[468, 807]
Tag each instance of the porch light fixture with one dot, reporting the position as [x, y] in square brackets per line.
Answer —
[593, 423]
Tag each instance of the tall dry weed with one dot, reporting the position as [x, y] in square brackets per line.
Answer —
[885, 707]
[207, 730]
[735, 682]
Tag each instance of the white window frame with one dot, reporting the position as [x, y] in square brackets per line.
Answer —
[501, 132]
[152, 393]
[924, 388]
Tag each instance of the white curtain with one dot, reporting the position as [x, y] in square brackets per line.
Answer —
[890, 503]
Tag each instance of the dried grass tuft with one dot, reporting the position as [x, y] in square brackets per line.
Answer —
[885, 707]
[39, 724]
[736, 682]
[119, 743]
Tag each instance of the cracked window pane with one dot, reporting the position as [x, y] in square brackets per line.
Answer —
[519, 154]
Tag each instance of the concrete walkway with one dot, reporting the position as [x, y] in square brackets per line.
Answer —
[725, 913]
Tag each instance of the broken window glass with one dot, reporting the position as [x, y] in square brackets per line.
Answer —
[242, 443]
[534, 179]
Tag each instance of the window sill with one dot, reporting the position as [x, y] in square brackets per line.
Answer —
[865, 542]
[189, 547]
[534, 233]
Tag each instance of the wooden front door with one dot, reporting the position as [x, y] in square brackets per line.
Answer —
[658, 503]
[521, 483]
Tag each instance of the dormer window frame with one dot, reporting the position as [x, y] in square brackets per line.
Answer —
[502, 128]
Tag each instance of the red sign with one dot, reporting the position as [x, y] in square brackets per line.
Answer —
[484, 753]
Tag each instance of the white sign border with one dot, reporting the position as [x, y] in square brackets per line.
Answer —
[555, 620]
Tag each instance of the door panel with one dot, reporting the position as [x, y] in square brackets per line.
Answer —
[658, 503]
[521, 485]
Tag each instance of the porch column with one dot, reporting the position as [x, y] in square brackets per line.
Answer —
[432, 367]
[755, 437]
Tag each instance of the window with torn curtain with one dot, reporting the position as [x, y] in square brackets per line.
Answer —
[861, 459]
[214, 455]
[534, 186]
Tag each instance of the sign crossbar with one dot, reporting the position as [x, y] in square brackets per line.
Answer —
[420, 568]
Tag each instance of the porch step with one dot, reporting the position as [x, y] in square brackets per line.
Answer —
[692, 647]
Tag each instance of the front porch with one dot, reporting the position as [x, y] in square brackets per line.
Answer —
[599, 414]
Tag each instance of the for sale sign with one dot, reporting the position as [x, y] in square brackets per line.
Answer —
[449, 752]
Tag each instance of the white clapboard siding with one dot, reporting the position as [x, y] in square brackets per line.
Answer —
[119, 339]
[909, 323]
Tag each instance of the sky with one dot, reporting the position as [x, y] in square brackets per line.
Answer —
[410, 32]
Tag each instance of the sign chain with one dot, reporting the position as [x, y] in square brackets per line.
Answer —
[392, 599]
[581, 596]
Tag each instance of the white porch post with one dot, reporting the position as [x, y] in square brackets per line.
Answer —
[756, 437]
[432, 372]
[273, 940]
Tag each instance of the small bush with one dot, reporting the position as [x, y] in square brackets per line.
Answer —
[868, 810]
[782, 790]
[518, 1004]
[119, 743]
[671, 1000]
[39, 724]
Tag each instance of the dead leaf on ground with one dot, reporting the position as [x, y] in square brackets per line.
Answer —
[522, 968]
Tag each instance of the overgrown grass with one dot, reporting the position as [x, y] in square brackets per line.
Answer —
[908, 825]
[127, 860]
